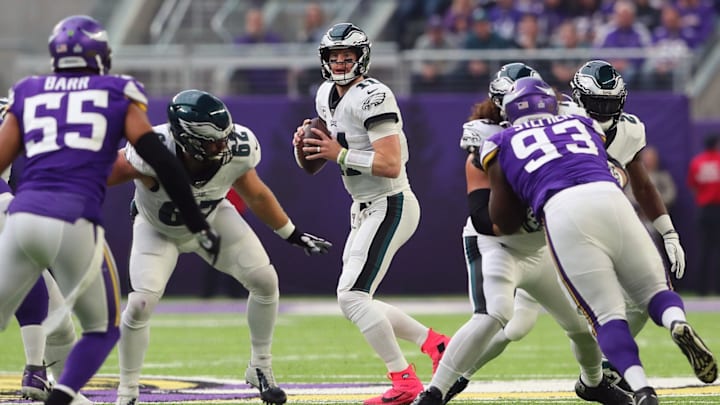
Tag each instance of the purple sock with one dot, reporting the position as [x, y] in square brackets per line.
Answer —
[618, 345]
[34, 308]
[87, 356]
[662, 301]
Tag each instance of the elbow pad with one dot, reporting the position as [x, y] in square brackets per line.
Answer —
[479, 201]
[173, 178]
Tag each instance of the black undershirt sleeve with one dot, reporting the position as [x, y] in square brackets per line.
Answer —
[173, 178]
[479, 201]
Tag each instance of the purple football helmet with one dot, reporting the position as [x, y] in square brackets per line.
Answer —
[79, 41]
[529, 96]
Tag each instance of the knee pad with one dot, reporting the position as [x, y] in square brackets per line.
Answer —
[501, 307]
[521, 323]
[63, 334]
[139, 309]
[261, 281]
[354, 305]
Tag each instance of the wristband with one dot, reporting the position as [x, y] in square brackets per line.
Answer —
[663, 224]
[360, 160]
[286, 230]
[341, 157]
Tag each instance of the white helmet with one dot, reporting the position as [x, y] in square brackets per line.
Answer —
[345, 36]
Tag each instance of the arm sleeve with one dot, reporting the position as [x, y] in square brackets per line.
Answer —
[173, 178]
[479, 213]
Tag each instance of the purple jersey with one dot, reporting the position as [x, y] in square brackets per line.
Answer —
[71, 125]
[541, 157]
[4, 187]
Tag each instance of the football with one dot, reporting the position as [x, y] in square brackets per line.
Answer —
[312, 166]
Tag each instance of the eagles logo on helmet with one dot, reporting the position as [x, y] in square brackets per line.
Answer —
[600, 90]
[201, 125]
[345, 36]
[505, 77]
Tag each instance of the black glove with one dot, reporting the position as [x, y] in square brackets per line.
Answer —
[210, 241]
[312, 244]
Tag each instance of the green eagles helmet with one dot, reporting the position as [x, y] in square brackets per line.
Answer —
[505, 77]
[201, 124]
[600, 90]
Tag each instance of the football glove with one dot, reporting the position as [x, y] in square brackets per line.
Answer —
[675, 253]
[470, 141]
[312, 244]
[209, 240]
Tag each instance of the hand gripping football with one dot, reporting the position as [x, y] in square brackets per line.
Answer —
[312, 166]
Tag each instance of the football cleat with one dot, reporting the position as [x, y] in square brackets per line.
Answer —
[614, 376]
[458, 387]
[81, 399]
[435, 346]
[405, 387]
[35, 384]
[263, 379]
[431, 396]
[700, 357]
[127, 396]
[646, 396]
[604, 393]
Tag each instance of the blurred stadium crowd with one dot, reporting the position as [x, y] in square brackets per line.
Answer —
[673, 28]
[672, 31]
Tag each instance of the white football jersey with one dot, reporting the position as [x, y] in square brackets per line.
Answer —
[629, 139]
[161, 212]
[363, 104]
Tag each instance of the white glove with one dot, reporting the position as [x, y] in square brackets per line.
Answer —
[675, 253]
[470, 141]
[671, 239]
[475, 131]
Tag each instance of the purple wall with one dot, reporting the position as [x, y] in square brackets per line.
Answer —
[432, 261]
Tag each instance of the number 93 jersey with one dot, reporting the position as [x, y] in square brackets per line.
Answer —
[544, 156]
[155, 205]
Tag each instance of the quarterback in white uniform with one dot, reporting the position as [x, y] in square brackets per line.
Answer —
[505, 272]
[368, 143]
[217, 154]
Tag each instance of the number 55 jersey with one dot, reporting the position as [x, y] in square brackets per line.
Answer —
[155, 205]
[72, 125]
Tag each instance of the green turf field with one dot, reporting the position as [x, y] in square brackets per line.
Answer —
[314, 349]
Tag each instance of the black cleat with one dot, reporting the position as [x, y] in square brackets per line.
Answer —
[605, 393]
[646, 396]
[614, 376]
[262, 378]
[456, 388]
[431, 396]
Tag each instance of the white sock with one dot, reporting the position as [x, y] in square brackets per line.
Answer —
[404, 326]
[671, 315]
[33, 338]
